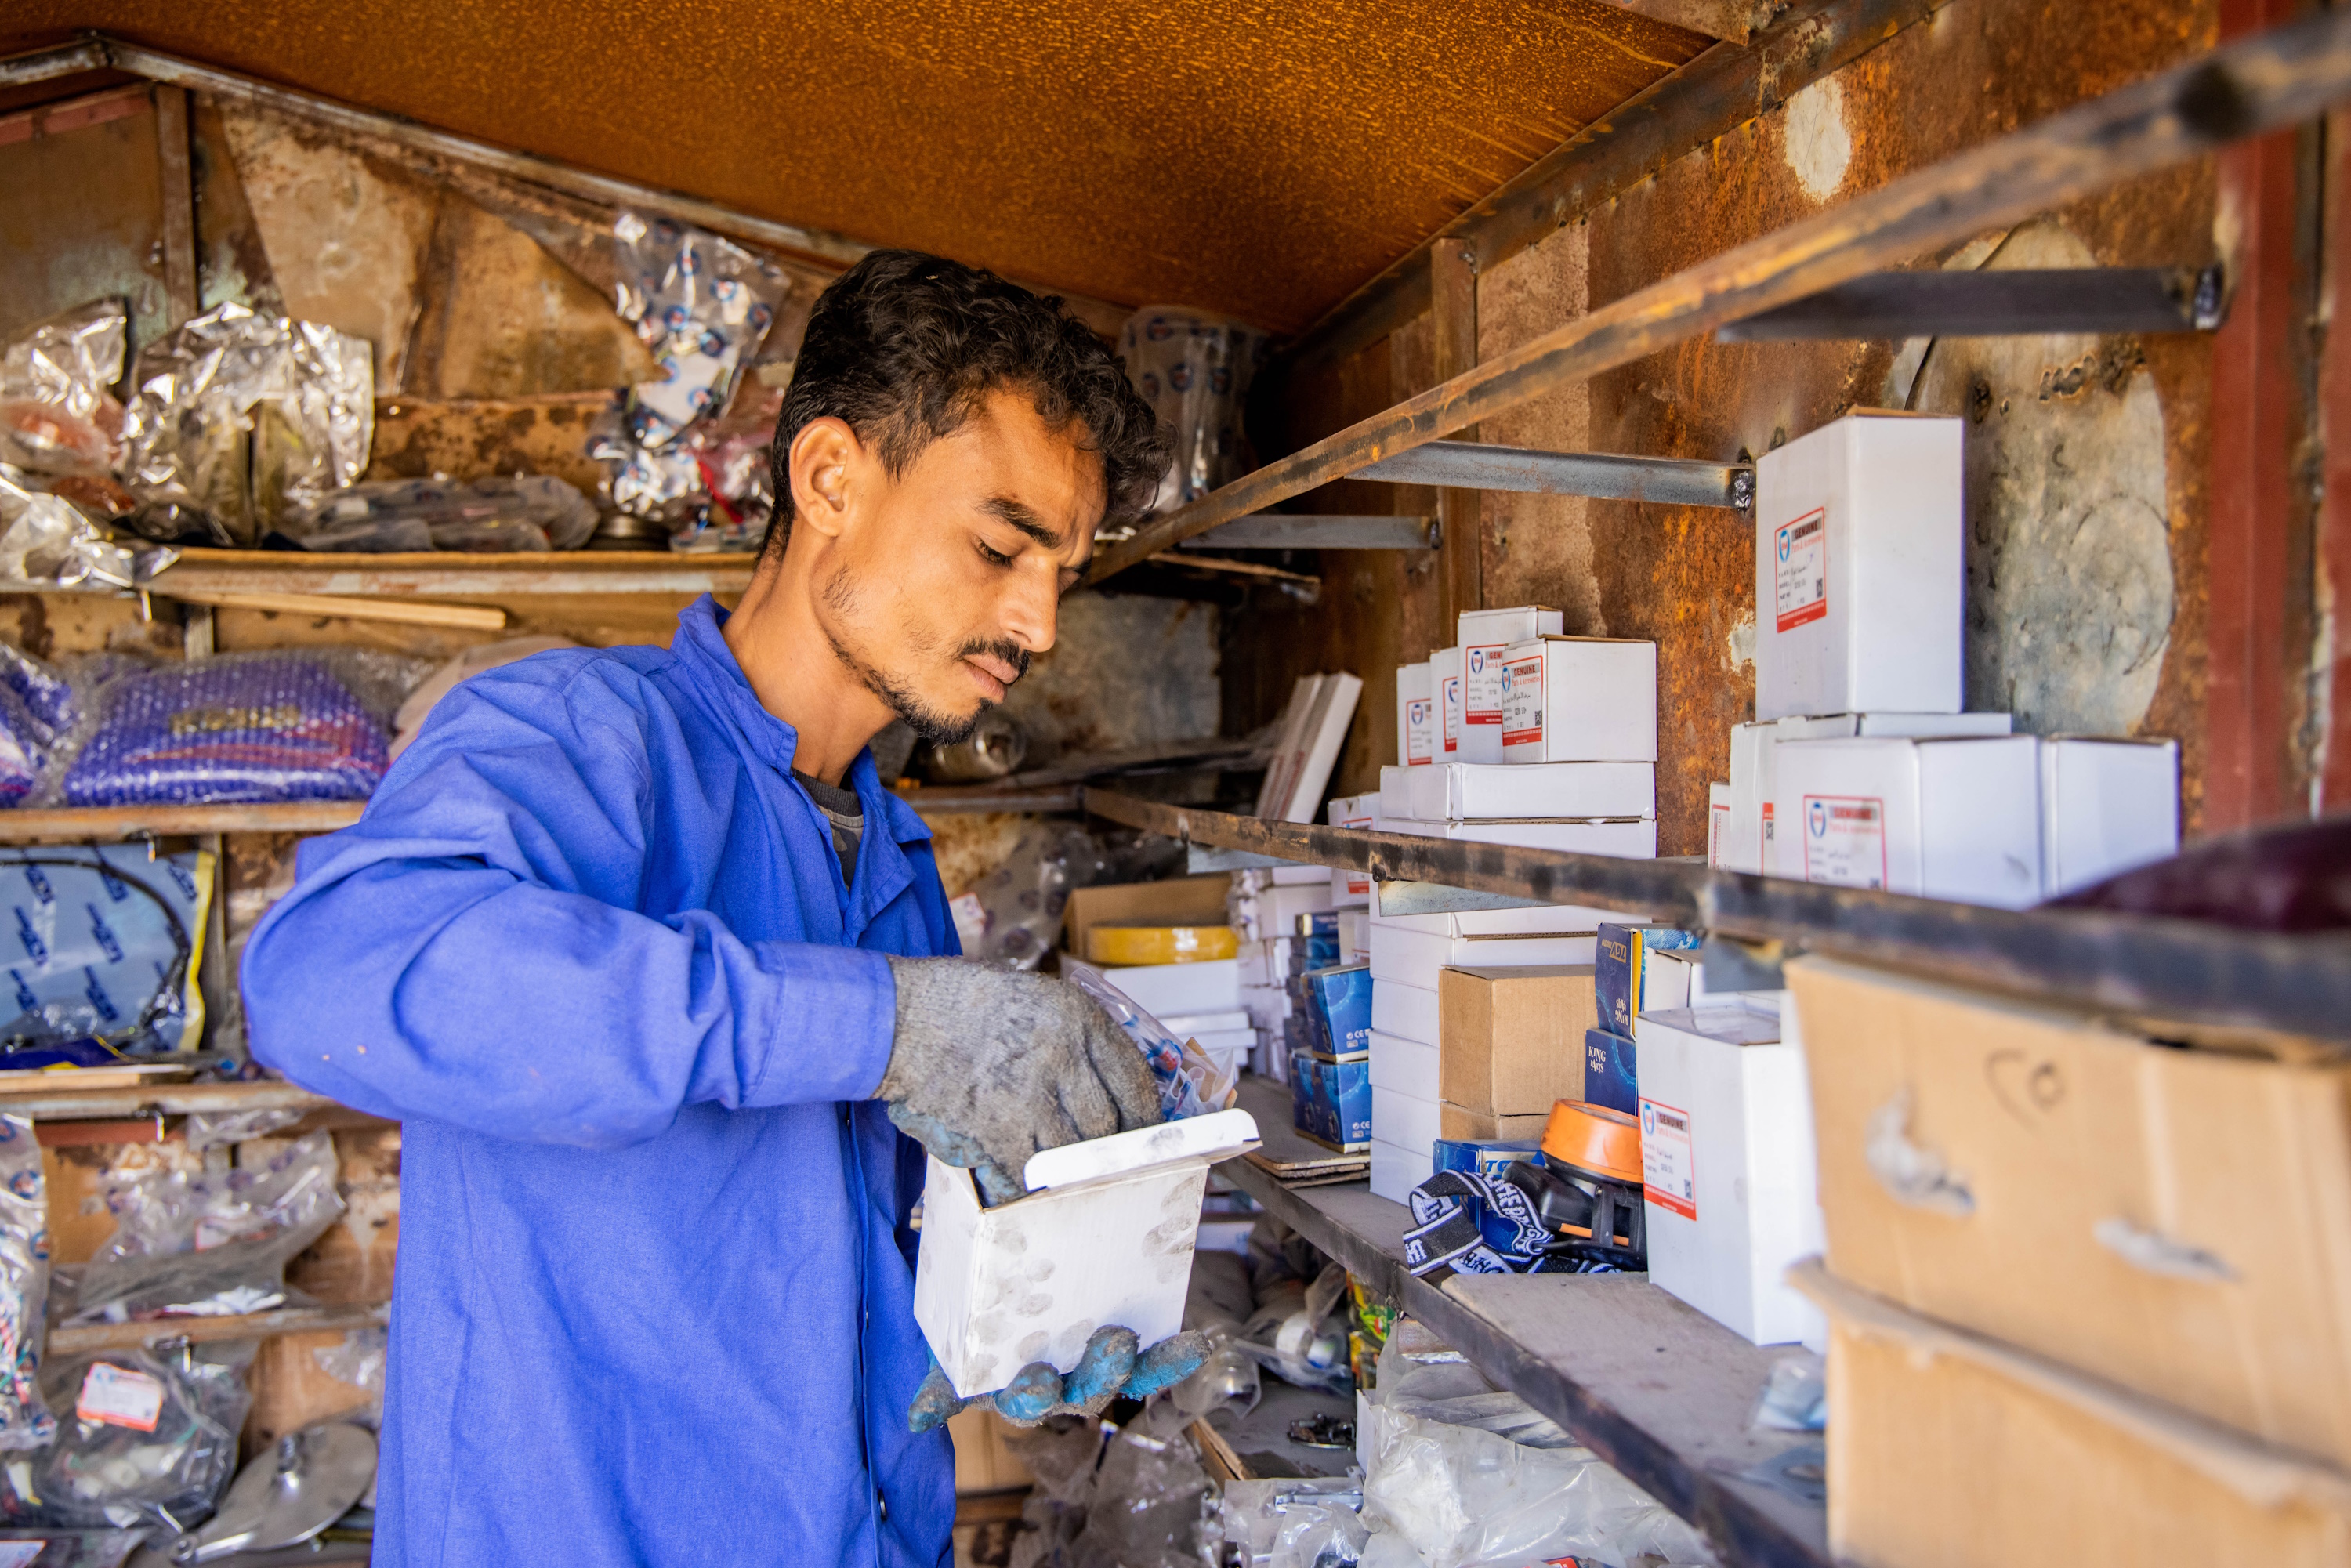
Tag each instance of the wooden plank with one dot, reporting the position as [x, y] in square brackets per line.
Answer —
[457, 576]
[465, 617]
[87, 1337]
[2244, 89]
[175, 159]
[113, 824]
[147, 1101]
[1461, 543]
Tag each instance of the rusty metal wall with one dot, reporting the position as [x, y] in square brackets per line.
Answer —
[81, 210]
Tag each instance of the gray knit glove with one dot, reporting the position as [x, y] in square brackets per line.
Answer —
[990, 1065]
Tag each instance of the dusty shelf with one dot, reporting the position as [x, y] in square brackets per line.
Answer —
[446, 575]
[113, 824]
[87, 1337]
[133, 1101]
[1651, 1384]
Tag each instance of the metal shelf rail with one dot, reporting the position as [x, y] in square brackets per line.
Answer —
[2133, 965]
[2260, 83]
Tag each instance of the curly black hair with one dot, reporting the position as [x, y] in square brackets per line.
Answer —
[903, 346]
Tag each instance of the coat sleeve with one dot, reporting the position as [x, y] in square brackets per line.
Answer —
[469, 952]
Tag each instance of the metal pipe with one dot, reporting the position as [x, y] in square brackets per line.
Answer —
[1472, 465]
[1937, 304]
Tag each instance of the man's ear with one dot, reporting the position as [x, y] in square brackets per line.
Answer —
[826, 456]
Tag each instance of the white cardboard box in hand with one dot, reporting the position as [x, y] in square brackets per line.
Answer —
[1105, 1236]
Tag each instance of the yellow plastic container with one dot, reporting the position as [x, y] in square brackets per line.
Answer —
[1124, 945]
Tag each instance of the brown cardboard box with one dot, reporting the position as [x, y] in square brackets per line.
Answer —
[983, 1461]
[1510, 1041]
[1178, 901]
[1454, 1121]
[1946, 1449]
[2177, 1220]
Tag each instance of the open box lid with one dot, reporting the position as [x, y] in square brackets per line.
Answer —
[1218, 1135]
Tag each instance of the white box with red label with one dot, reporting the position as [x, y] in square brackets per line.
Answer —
[1580, 699]
[1956, 819]
[1718, 826]
[1486, 635]
[1860, 576]
[1753, 841]
[1416, 717]
[1726, 1165]
[1445, 700]
[1470, 791]
[1352, 889]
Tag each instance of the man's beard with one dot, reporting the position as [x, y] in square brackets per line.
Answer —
[927, 721]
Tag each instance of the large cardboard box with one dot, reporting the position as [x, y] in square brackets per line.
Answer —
[1485, 635]
[1178, 901]
[1458, 1123]
[984, 1461]
[2105, 805]
[1580, 699]
[1510, 1041]
[1859, 576]
[2175, 1219]
[1949, 1449]
[1941, 819]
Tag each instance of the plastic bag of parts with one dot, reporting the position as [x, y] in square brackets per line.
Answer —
[145, 1439]
[308, 725]
[47, 540]
[1420, 1376]
[1296, 1335]
[1303, 1522]
[702, 304]
[224, 1129]
[107, 949]
[56, 415]
[1216, 1303]
[1795, 1397]
[1010, 916]
[26, 1421]
[1195, 370]
[1152, 1505]
[241, 420]
[358, 1360]
[739, 481]
[68, 1549]
[1190, 1084]
[1453, 1497]
[210, 1245]
[500, 513]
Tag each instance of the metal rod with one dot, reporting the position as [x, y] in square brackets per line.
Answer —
[2165, 968]
[1935, 304]
[1668, 481]
[1286, 530]
[2255, 84]
[48, 65]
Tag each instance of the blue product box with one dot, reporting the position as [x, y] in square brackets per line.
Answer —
[1485, 1159]
[1326, 923]
[1610, 1075]
[1340, 998]
[1618, 968]
[1318, 952]
[1331, 1102]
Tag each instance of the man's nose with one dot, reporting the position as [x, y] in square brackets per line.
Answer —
[1032, 610]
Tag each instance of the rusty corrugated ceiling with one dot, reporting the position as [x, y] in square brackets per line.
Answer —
[1254, 158]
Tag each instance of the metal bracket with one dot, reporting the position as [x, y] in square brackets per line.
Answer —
[1200, 859]
[1991, 303]
[1278, 530]
[1473, 465]
[1436, 898]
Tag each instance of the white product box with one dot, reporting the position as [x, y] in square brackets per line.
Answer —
[1634, 837]
[2105, 805]
[1580, 699]
[1354, 936]
[1445, 690]
[1859, 576]
[1757, 804]
[1214, 987]
[1396, 791]
[1404, 1067]
[1405, 1120]
[1718, 826]
[1294, 875]
[1727, 1158]
[1750, 793]
[1416, 717]
[1486, 636]
[1206, 1023]
[1414, 957]
[1543, 920]
[1395, 1172]
[1228, 1049]
[1351, 888]
[1091, 1248]
[1270, 911]
[1469, 791]
[1264, 962]
[1942, 819]
[1403, 1012]
[1266, 1006]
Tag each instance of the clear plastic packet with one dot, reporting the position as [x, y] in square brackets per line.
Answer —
[306, 724]
[1795, 1397]
[244, 418]
[1010, 916]
[1153, 1505]
[48, 541]
[1195, 370]
[1298, 1522]
[702, 304]
[69, 1548]
[499, 513]
[26, 1421]
[145, 1439]
[1190, 1083]
[47, 695]
[108, 946]
[224, 1129]
[56, 415]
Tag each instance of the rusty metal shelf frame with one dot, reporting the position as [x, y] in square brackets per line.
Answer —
[1307, 530]
[1473, 465]
[2131, 965]
[2257, 84]
[1934, 304]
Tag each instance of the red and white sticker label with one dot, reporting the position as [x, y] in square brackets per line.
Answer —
[119, 1398]
[1763, 861]
[1845, 840]
[1450, 698]
[1419, 734]
[1523, 701]
[1668, 1173]
[1718, 836]
[1800, 569]
[1481, 692]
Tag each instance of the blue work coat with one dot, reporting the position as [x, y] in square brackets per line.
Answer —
[655, 1296]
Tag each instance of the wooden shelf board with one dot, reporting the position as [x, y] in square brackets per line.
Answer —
[113, 824]
[87, 1337]
[136, 1101]
[454, 575]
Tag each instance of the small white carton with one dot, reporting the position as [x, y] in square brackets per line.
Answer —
[1417, 957]
[1396, 791]
[1403, 1012]
[1859, 575]
[1726, 1165]
[1416, 717]
[1352, 889]
[1941, 819]
[1407, 1121]
[1445, 690]
[1534, 920]
[1401, 1066]
[1635, 837]
[1758, 804]
[1105, 1235]
[2105, 805]
[1470, 791]
[1396, 1171]
[1486, 636]
[1718, 826]
[1580, 699]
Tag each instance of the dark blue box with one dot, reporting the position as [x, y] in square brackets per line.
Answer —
[1331, 1102]
[1480, 1158]
[1619, 969]
[1610, 1071]
[1340, 998]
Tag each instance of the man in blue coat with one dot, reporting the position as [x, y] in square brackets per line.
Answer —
[647, 960]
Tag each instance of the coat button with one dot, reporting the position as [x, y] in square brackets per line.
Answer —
[881, 1505]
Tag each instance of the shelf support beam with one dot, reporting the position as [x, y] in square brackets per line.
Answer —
[1667, 481]
[1461, 554]
[1982, 304]
[1307, 530]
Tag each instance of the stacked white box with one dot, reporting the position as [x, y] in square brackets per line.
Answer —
[1859, 574]
[1395, 1172]
[1485, 636]
[1403, 1012]
[1941, 819]
[1635, 838]
[1159, 989]
[1758, 804]
[1416, 717]
[1261, 909]
[1580, 699]
[1351, 889]
[1402, 1067]
[1470, 791]
[2105, 805]
[1445, 692]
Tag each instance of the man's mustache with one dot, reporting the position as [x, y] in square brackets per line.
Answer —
[1012, 652]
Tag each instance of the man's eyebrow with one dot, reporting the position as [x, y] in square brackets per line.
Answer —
[1021, 516]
